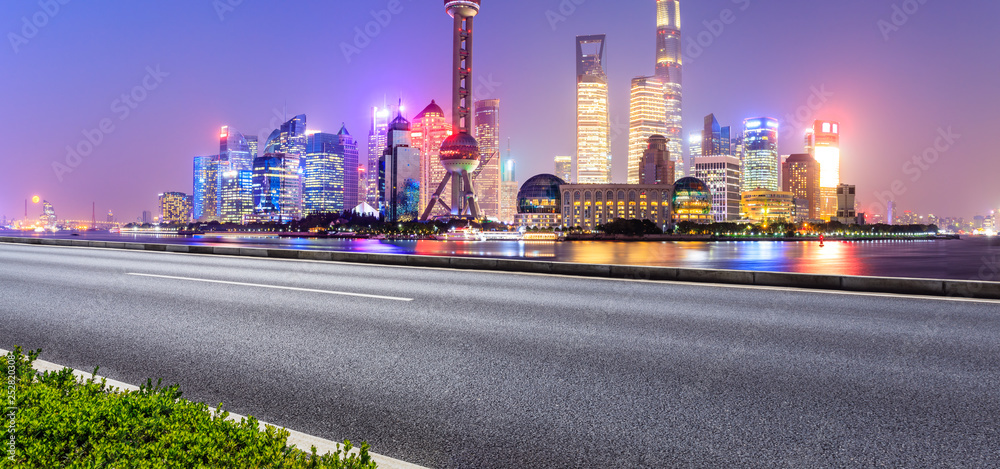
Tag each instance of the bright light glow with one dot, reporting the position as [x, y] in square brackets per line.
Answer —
[35, 199]
[826, 127]
[829, 166]
[225, 132]
[313, 132]
[753, 124]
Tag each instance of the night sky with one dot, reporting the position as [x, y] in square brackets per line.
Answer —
[244, 65]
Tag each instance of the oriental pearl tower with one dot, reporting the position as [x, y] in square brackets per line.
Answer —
[460, 151]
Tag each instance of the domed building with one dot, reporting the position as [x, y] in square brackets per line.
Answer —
[692, 201]
[539, 202]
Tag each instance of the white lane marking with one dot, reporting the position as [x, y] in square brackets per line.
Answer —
[310, 290]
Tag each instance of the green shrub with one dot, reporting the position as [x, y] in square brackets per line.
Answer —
[62, 422]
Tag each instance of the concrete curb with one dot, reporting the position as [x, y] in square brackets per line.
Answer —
[904, 286]
[300, 440]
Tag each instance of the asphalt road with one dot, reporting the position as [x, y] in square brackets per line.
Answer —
[510, 370]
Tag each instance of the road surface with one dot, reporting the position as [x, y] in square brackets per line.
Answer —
[463, 369]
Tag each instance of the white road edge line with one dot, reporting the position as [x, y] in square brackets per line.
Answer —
[310, 290]
[300, 440]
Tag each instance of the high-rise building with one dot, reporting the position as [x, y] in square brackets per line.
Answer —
[487, 176]
[234, 151]
[761, 169]
[722, 175]
[694, 146]
[508, 192]
[376, 145]
[235, 195]
[400, 174]
[668, 68]
[348, 147]
[48, 218]
[823, 143]
[801, 176]
[175, 208]
[430, 130]
[593, 127]
[656, 167]
[711, 143]
[147, 217]
[205, 187]
[459, 152]
[846, 199]
[324, 174]
[647, 117]
[277, 186]
[564, 168]
[252, 147]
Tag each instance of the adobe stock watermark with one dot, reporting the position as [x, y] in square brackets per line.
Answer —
[225, 7]
[363, 36]
[698, 43]
[901, 14]
[563, 11]
[122, 108]
[485, 87]
[30, 27]
[916, 167]
[11, 407]
[817, 99]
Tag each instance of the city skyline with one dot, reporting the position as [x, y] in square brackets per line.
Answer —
[886, 115]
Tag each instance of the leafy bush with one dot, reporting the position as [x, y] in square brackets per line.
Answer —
[62, 422]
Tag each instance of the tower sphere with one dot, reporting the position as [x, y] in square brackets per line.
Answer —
[462, 7]
[460, 152]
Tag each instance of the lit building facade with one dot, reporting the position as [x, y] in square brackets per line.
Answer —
[277, 186]
[430, 130]
[668, 68]
[768, 206]
[235, 196]
[590, 205]
[593, 127]
[761, 169]
[692, 201]
[539, 202]
[508, 192]
[722, 175]
[647, 117]
[347, 146]
[694, 147]
[801, 177]
[564, 168]
[823, 143]
[205, 188]
[846, 199]
[376, 145]
[400, 174]
[324, 175]
[175, 208]
[656, 167]
[487, 176]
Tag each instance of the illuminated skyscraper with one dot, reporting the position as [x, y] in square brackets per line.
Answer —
[205, 187]
[235, 195]
[487, 176]
[376, 145]
[399, 174]
[761, 169]
[711, 143]
[593, 128]
[694, 144]
[347, 146]
[722, 175]
[277, 185]
[564, 168]
[175, 208]
[668, 69]
[234, 151]
[801, 176]
[324, 174]
[508, 192]
[252, 146]
[430, 130]
[823, 143]
[647, 117]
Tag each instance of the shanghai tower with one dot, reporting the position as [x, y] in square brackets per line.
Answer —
[668, 69]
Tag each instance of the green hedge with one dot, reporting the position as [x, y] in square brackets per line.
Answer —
[62, 422]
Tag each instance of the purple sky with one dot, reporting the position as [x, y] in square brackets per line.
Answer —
[937, 71]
